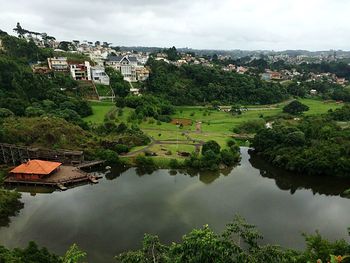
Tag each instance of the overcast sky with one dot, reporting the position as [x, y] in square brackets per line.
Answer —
[202, 24]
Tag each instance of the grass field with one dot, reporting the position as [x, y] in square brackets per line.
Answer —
[215, 125]
[319, 107]
[103, 90]
[99, 110]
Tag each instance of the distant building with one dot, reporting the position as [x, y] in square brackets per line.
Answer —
[242, 70]
[37, 69]
[99, 75]
[142, 73]
[276, 75]
[341, 81]
[128, 67]
[271, 75]
[81, 71]
[313, 92]
[135, 91]
[266, 76]
[34, 170]
[58, 64]
[230, 67]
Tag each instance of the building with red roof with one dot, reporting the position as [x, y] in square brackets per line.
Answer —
[35, 170]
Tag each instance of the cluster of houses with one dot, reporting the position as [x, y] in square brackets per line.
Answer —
[332, 78]
[132, 67]
[234, 68]
[281, 75]
[130, 64]
[185, 58]
[79, 71]
[299, 59]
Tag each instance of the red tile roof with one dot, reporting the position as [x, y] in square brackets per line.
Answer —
[36, 167]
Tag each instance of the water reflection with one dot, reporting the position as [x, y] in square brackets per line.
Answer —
[10, 210]
[115, 172]
[326, 185]
[113, 215]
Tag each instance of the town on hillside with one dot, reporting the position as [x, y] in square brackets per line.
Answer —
[132, 64]
[147, 131]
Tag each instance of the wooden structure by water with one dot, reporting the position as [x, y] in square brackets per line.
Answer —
[89, 164]
[11, 154]
[69, 173]
[66, 175]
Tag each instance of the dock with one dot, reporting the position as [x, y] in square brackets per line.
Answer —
[66, 175]
[89, 164]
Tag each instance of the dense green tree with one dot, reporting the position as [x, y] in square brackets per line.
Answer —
[295, 108]
[197, 84]
[316, 145]
[4, 113]
[120, 87]
[211, 146]
[172, 53]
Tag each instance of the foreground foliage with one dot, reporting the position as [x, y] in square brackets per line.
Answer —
[33, 254]
[239, 242]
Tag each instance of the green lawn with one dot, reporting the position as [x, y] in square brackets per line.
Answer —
[99, 110]
[216, 125]
[162, 149]
[318, 106]
[103, 90]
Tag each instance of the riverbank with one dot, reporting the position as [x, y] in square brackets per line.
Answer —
[170, 203]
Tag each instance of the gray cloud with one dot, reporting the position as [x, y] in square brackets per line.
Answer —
[225, 24]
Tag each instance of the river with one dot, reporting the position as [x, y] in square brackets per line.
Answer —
[112, 216]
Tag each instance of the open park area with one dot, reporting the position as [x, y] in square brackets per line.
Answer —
[191, 126]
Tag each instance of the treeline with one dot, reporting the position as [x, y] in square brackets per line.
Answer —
[213, 157]
[147, 106]
[315, 145]
[341, 69]
[34, 254]
[197, 84]
[238, 242]
[325, 90]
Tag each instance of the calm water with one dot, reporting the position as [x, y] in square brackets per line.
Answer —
[112, 216]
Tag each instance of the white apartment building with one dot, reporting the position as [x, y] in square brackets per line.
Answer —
[81, 71]
[99, 75]
[58, 64]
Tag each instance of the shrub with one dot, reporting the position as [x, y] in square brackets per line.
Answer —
[121, 148]
[295, 108]
[174, 164]
[111, 157]
[229, 157]
[4, 113]
[164, 118]
[252, 126]
[211, 146]
[145, 162]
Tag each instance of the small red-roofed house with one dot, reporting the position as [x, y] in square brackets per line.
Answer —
[34, 170]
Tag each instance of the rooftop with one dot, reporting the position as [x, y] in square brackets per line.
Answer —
[36, 167]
